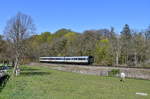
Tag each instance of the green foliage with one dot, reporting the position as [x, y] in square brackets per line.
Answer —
[102, 52]
[126, 32]
[70, 36]
[113, 72]
[61, 32]
[46, 36]
[104, 45]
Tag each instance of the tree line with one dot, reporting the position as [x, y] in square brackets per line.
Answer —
[127, 48]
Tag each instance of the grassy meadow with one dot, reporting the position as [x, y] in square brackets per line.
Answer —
[43, 83]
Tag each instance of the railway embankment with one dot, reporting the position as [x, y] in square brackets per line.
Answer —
[139, 73]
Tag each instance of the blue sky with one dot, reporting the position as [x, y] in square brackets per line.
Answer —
[79, 15]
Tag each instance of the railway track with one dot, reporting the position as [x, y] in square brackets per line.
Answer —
[130, 71]
[122, 66]
[96, 65]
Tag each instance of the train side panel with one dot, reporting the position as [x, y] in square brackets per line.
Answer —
[75, 59]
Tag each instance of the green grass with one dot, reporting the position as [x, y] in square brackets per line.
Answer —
[44, 83]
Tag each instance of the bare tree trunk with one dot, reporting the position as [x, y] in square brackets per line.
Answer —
[127, 62]
[135, 58]
[16, 70]
[15, 66]
[126, 59]
[117, 58]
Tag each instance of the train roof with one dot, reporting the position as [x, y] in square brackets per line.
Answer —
[67, 57]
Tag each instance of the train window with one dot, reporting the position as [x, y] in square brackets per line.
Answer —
[49, 58]
[75, 58]
[45, 58]
[59, 58]
[67, 59]
[81, 58]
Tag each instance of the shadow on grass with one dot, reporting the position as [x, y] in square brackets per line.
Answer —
[3, 81]
[29, 69]
[34, 73]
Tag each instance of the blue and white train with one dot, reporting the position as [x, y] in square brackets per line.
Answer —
[66, 59]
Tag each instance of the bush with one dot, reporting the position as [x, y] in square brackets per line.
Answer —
[113, 72]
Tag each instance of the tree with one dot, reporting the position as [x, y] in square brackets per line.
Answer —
[115, 46]
[102, 53]
[45, 37]
[147, 45]
[3, 49]
[87, 41]
[137, 48]
[61, 32]
[17, 30]
[147, 34]
[126, 36]
[70, 47]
